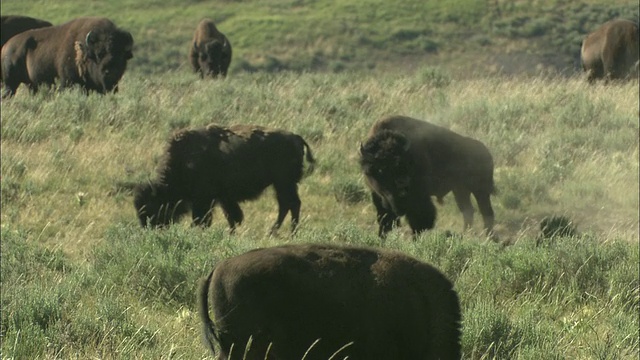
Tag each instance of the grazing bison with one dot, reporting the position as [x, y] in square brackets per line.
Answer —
[611, 51]
[91, 52]
[354, 302]
[210, 53]
[220, 165]
[14, 24]
[405, 161]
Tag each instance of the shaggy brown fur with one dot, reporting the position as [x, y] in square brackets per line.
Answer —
[405, 161]
[611, 51]
[91, 52]
[358, 302]
[224, 165]
[210, 53]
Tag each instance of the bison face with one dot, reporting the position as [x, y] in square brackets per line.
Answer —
[386, 162]
[214, 58]
[103, 58]
[154, 208]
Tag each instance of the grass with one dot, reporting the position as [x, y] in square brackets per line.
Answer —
[81, 279]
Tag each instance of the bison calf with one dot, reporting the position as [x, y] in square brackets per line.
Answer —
[405, 161]
[611, 51]
[210, 53]
[360, 303]
[219, 165]
[91, 52]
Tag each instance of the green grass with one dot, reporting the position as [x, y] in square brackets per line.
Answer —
[81, 279]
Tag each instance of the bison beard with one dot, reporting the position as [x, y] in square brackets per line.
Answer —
[224, 166]
[355, 302]
[406, 161]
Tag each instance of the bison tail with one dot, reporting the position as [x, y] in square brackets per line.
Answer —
[309, 156]
[208, 327]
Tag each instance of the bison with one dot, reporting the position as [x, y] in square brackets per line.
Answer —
[91, 52]
[405, 161]
[210, 53]
[14, 24]
[312, 301]
[224, 165]
[611, 51]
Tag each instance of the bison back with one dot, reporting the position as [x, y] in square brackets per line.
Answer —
[369, 303]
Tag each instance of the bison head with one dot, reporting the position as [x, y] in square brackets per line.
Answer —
[102, 58]
[154, 207]
[388, 167]
[214, 57]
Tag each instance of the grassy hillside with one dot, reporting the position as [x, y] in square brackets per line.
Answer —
[467, 36]
[80, 279]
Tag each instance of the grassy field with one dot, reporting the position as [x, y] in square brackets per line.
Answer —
[80, 278]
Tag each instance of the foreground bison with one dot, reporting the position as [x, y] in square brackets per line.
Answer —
[353, 302]
[14, 24]
[210, 53]
[405, 161]
[611, 51]
[224, 165]
[91, 52]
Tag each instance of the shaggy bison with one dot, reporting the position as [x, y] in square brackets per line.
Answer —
[14, 24]
[405, 161]
[210, 53]
[611, 51]
[224, 165]
[91, 52]
[354, 302]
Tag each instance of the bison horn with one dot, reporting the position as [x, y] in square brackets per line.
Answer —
[89, 39]
[406, 146]
[364, 154]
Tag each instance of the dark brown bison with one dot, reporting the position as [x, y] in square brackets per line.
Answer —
[611, 51]
[320, 300]
[210, 53]
[14, 24]
[224, 165]
[91, 52]
[405, 161]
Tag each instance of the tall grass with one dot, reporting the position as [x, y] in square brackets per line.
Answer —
[81, 279]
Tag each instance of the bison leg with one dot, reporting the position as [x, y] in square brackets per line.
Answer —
[463, 200]
[386, 218]
[484, 204]
[202, 212]
[233, 213]
[288, 200]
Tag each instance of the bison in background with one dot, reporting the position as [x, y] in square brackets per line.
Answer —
[210, 53]
[611, 51]
[405, 161]
[14, 24]
[224, 165]
[354, 302]
[91, 52]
